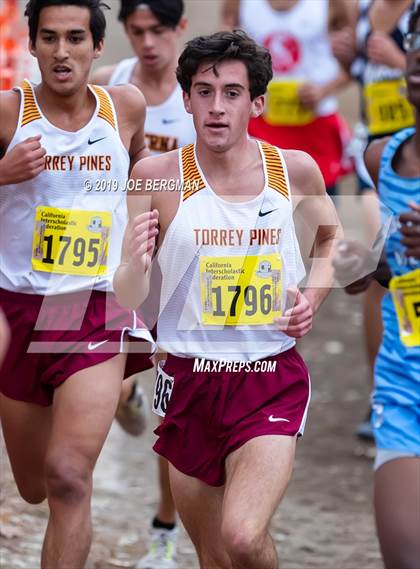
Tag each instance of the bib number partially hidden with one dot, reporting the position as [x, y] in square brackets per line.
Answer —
[163, 390]
[71, 242]
[387, 108]
[405, 292]
[240, 290]
[284, 106]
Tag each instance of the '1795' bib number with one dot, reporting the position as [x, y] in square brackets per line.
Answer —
[71, 242]
[240, 290]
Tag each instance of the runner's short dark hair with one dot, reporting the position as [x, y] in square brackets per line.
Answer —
[221, 46]
[414, 17]
[168, 12]
[97, 16]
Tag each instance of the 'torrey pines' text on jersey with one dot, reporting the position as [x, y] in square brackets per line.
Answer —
[62, 231]
[168, 125]
[227, 265]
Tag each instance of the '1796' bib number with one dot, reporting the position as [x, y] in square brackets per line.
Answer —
[71, 242]
[240, 290]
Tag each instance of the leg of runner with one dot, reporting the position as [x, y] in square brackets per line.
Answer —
[236, 522]
[4, 336]
[199, 502]
[25, 445]
[166, 512]
[397, 507]
[82, 413]
[257, 475]
[133, 408]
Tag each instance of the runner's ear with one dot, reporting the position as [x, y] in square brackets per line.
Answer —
[187, 102]
[257, 106]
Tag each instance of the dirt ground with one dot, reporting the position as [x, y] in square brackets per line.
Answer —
[325, 520]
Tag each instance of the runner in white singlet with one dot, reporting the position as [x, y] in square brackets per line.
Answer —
[154, 29]
[230, 307]
[66, 149]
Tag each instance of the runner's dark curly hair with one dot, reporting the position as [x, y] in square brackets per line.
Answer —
[222, 46]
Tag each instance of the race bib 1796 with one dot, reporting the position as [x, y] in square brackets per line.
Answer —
[239, 290]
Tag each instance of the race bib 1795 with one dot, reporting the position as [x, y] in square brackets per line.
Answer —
[71, 242]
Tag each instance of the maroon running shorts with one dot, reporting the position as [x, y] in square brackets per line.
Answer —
[211, 414]
[53, 337]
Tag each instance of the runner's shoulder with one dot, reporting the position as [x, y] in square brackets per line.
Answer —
[304, 174]
[9, 115]
[128, 100]
[373, 155]
[102, 75]
[162, 166]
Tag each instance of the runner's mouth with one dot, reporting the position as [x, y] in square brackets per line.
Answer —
[62, 72]
[216, 125]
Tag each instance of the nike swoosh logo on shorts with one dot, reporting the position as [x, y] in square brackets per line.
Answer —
[94, 345]
[263, 213]
[277, 419]
[97, 140]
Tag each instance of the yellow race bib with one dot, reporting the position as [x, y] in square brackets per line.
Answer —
[283, 105]
[71, 242]
[387, 108]
[240, 290]
[405, 292]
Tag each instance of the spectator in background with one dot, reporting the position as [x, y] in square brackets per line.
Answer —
[300, 112]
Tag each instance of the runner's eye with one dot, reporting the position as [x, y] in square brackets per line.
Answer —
[232, 94]
[76, 39]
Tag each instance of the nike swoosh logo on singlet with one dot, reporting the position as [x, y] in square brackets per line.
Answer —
[97, 140]
[169, 121]
[263, 213]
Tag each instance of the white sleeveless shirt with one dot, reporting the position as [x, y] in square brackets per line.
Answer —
[167, 126]
[297, 40]
[62, 230]
[226, 267]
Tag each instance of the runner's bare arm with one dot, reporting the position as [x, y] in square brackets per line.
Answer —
[26, 159]
[131, 280]
[230, 14]
[102, 75]
[339, 14]
[319, 215]
[131, 109]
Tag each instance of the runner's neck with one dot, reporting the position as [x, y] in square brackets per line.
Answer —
[75, 110]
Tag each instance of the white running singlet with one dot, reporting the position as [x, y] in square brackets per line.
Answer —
[62, 230]
[298, 41]
[167, 126]
[226, 266]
